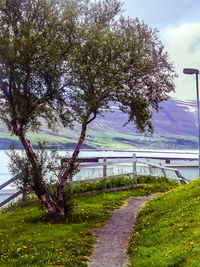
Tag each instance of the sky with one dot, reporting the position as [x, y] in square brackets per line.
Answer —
[178, 23]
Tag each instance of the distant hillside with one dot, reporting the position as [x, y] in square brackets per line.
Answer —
[175, 127]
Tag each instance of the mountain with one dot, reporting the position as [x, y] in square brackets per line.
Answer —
[175, 127]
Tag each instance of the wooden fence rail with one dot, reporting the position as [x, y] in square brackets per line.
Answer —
[8, 182]
[136, 164]
[4, 202]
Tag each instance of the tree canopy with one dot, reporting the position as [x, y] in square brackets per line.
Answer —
[66, 60]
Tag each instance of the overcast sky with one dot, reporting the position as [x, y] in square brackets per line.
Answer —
[178, 23]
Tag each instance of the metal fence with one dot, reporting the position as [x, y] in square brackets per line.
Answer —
[126, 167]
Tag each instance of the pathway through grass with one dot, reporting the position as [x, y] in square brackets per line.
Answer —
[112, 239]
[27, 239]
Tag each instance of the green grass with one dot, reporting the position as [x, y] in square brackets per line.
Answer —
[8, 135]
[167, 232]
[148, 184]
[49, 138]
[27, 239]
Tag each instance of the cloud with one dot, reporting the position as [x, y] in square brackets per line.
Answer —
[179, 26]
[163, 13]
[183, 46]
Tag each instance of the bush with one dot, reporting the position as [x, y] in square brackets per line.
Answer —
[118, 182]
[99, 185]
[88, 187]
[160, 184]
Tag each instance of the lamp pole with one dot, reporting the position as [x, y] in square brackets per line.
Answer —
[196, 72]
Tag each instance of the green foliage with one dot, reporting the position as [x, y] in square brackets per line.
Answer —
[65, 61]
[34, 37]
[154, 179]
[49, 165]
[51, 169]
[99, 185]
[167, 230]
[88, 187]
[80, 56]
[120, 181]
[148, 183]
[117, 63]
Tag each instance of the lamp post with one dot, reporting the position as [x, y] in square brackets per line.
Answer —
[195, 71]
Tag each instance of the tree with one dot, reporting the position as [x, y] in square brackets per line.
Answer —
[66, 60]
[35, 40]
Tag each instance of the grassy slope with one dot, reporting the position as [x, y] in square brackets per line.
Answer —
[167, 232]
[26, 239]
[104, 140]
[107, 132]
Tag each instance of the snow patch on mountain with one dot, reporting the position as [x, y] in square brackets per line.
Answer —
[188, 108]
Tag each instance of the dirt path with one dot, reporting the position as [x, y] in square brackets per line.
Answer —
[112, 239]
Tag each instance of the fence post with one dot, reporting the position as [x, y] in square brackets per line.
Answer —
[162, 169]
[179, 176]
[134, 169]
[104, 172]
[150, 170]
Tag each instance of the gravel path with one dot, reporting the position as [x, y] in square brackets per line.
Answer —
[112, 239]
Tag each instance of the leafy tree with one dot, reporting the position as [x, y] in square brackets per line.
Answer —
[35, 40]
[66, 61]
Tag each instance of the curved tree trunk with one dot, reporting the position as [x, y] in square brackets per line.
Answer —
[68, 170]
[39, 187]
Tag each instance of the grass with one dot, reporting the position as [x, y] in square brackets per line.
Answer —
[27, 239]
[48, 138]
[167, 232]
[7, 135]
[147, 184]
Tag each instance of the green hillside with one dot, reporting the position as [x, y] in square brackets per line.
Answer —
[167, 232]
[175, 127]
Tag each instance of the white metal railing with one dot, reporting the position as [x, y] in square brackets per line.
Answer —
[136, 167]
[128, 166]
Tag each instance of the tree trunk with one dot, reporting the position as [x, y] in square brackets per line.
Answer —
[39, 186]
[68, 170]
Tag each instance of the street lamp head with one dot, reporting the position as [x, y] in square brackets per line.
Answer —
[190, 71]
